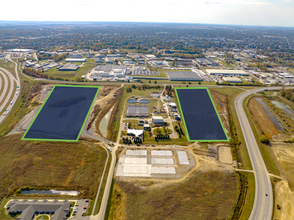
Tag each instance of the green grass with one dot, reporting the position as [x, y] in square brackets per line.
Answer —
[8, 66]
[97, 208]
[291, 70]
[212, 196]
[264, 149]
[44, 165]
[45, 217]
[4, 214]
[249, 196]
[72, 74]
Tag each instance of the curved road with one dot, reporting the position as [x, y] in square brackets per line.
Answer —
[263, 202]
[10, 94]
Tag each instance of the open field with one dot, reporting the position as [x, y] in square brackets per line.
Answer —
[262, 118]
[291, 70]
[9, 66]
[265, 150]
[212, 196]
[87, 66]
[284, 198]
[50, 165]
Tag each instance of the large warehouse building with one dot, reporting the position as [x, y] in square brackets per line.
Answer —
[137, 111]
[183, 76]
[226, 72]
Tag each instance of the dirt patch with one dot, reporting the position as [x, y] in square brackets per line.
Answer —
[212, 196]
[284, 154]
[50, 165]
[220, 102]
[225, 155]
[284, 201]
[262, 119]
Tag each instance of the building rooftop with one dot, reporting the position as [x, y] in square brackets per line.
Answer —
[226, 72]
[69, 67]
[183, 76]
[29, 208]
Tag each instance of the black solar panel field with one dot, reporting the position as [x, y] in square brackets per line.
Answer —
[63, 114]
[200, 116]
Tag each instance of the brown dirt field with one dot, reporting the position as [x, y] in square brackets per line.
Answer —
[212, 196]
[284, 197]
[104, 101]
[263, 120]
[219, 101]
[284, 154]
[220, 104]
[50, 165]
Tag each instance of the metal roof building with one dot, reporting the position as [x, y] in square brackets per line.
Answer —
[232, 79]
[69, 67]
[137, 111]
[28, 209]
[75, 60]
[226, 72]
[183, 76]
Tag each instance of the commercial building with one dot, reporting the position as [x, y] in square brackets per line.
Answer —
[183, 76]
[109, 71]
[157, 119]
[205, 62]
[76, 56]
[172, 105]
[98, 60]
[102, 56]
[75, 60]
[137, 111]
[232, 79]
[226, 72]
[137, 133]
[28, 209]
[68, 67]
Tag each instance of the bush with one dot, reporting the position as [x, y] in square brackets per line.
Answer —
[264, 139]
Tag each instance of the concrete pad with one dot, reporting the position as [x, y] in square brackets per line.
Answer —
[163, 170]
[182, 155]
[162, 161]
[225, 155]
[135, 160]
[161, 153]
[137, 152]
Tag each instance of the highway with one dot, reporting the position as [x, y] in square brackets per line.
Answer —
[263, 202]
[7, 98]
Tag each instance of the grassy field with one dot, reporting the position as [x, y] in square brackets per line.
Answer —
[210, 195]
[9, 66]
[50, 165]
[264, 149]
[247, 207]
[89, 65]
[291, 70]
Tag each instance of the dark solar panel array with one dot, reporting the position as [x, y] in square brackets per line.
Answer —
[200, 116]
[63, 114]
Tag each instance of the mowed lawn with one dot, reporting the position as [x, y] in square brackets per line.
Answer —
[89, 65]
[50, 164]
[206, 195]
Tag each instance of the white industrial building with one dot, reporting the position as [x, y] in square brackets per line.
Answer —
[75, 60]
[232, 79]
[137, 133]
[226, 72]
[109, 71]
[157, 119]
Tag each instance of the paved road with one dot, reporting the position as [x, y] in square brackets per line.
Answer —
[263, 202]
[10, 94]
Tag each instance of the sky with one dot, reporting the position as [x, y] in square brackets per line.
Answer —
[236, 12]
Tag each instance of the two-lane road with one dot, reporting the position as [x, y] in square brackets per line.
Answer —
[263, 202]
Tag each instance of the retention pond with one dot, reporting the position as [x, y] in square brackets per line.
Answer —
[271, 116]
[104, 123]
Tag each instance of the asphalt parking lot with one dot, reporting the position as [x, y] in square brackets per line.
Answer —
[82, 203]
